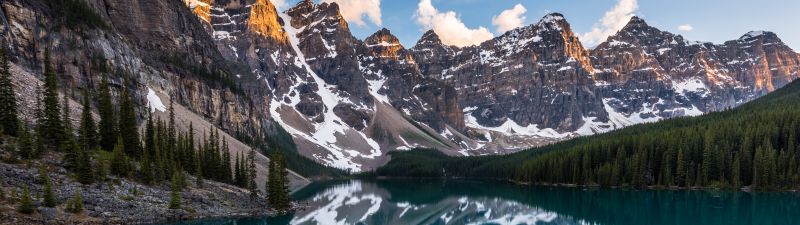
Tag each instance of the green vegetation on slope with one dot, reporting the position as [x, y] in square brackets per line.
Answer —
[160, 152]
[281, 142]
[754, 145]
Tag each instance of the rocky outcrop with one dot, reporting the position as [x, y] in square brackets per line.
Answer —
[538, 75]
[426, 100]
[436, 55]
[387, 47]
[761, 60]
[539, 81]
[646, 67]
[201, 8]
[164, 48]
[264, 20]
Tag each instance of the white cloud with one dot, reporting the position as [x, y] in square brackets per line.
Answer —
[685, 27]
[614, 20]
[354, 11]
[449, 26]
[510, 19]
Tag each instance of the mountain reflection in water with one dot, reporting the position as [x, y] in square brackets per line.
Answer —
[484, 202]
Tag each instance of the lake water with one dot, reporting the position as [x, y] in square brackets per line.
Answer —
[482, 202]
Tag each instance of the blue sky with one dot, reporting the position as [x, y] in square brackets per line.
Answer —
[710, 20]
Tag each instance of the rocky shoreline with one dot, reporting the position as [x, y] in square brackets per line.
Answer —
[120, 201]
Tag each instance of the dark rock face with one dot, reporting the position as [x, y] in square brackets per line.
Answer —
[361, 70]
[157, 44]
[424, 99]
[437, 56]
[388, 49]
[541, 75]
[645, 66]
[538, 74]
[631, 77]
[250, 34]
[330, 48]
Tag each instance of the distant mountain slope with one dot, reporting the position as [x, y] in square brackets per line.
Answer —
[528, 87]
[538, 81]
[752, 146]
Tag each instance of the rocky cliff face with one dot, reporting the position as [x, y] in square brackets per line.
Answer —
[147, 46]
[372, 96]
[642, 67]
[347, 102]
[538, 81]
[156, 44]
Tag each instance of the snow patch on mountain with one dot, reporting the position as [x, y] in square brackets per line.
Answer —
[154, 102]
[325, 132]
[621, 120]
[691, 85]
[513, 128]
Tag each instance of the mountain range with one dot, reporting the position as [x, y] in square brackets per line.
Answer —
[255, 72]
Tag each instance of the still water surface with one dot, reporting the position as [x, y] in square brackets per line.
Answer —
[483, 202]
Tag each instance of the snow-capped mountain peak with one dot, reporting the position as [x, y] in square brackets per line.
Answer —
[348, 102]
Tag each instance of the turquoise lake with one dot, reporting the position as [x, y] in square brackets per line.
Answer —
[482, 202]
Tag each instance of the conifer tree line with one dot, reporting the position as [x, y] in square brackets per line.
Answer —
[114, 145]
[756, 146]
[277, 183]
[9, 121]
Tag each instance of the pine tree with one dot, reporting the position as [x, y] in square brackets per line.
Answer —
[181, 179]
[759, 174]
[146, 172]
[770, 168]
[172, 130]
[149, 136]
[9, 122]
[199, 171]
[84, 169]
[272, 182]
[127, 125]
[69, 146]
[101, 169]
[75, 205]
[119, 161]
[88, 129]
[237, 174]
[244, 176]
[278, 184]
[175, 197]
[26, 203]
[191, 154]
[736, 172]
[49, 198]
[226, 163]
[284, 184]
[25, 149]
[52, 128]
[107, 125]
[251, 170]
[66, 115]
[680, 169]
